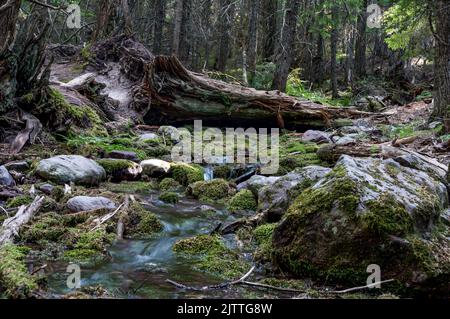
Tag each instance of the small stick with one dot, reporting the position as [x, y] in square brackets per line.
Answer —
[360, 288]
[39, 269]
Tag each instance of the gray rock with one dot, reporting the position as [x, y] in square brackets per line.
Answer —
[275, 199]
[347, 139]
[171, 133]
[434, 125]
[65, 169]
[46, 188]
[5, 177]
[155, 167]
[370, 211]
[19, 166]
[149, 137]
[131, 156]
[445, 217]
[256, 182]
[318, 137]
[86, 203]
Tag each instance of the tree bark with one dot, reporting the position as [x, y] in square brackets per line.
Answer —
[334, 42]
[360, 50]
[104, 8]
[441, 110]
[160, 15]
[226, 15]
[285, 48]
[269, 28]
[128, 23]
[180, 96]
[177, 27]
[252, 39]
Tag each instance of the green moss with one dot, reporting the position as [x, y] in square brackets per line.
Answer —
[113, 166]
[87, 245]
[213, 256]
[285, 283]
[149, 224]
[169, 197]
[202, 244]
[84, 116]
[169, 184]
[15, 281]
[244, 200]
[19, 201]
[386, 216]
[263, 233]
[47, 227]
[222, 171]
[130, 187]
[213, 190]
[141, 223]
[186, 174]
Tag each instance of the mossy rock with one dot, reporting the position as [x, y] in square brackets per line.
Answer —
[337, 228]
[141, 223]
[186, 174]
[169, 197]
[212, 256]
[263, 237]
[129, 187]
[87, 246]
[244, 200]
[15, 280]
[222, 171]
[210, 191]
[113, 166]
[169, 184]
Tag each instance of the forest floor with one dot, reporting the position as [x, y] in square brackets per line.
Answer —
[136, 219]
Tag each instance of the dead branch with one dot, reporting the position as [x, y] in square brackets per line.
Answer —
[12, 225]
[259, 285]
[360, 288]
[100, 221]
[32, 129]
[213, 287]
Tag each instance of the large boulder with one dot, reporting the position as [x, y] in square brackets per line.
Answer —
[275, 199]
[256, 182]
[65, 169]
[120, 170]
[86, 203]
[155, 167]
[369, 211]
[5, 178]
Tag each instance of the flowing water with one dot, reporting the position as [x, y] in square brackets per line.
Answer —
[139, 268]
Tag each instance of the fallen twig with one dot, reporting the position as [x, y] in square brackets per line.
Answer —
[6, 212]
[39, 269]
[213, 287]
[259, 285]
[359, 288]
[100, 221]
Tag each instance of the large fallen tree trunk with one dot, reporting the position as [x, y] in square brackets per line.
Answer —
[178, 95]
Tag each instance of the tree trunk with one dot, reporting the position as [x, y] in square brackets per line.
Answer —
[186, 32]
[269, 28]
[160, 16]
[9, 11]
[128, 24]
[442, 62]
[284, 55]
[349, 61]
[252, 39]
[177, 27]
[360, 50]
[180, 96]
[226, 15]
[334, 42]
[103, 15]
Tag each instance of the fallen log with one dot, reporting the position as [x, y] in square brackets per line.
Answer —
[11, 226]
[179, 95]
